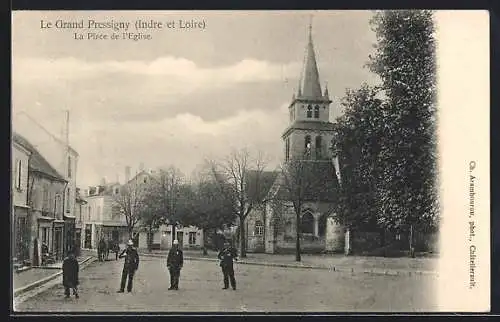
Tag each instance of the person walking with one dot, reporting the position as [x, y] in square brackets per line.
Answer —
[226, 257]
[70, 270]
[175, 260]
[130, 266]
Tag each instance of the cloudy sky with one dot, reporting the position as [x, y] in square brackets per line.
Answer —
[184, 95]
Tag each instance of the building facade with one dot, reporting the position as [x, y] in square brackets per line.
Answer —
[46, 197]
[271, 227]
[188, 237]
[20, 206]
[61, 157]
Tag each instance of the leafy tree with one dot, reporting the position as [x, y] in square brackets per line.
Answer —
[405, 62]
[357, 145]
[162, 199]
[205, 207]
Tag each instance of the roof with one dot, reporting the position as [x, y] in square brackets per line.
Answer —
[260, 182]
[104, 190]
[309, 125]
[320, 181]
[37, 162]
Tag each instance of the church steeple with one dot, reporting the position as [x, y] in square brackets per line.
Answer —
[310, 86]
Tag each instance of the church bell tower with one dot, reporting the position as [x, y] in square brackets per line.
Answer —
[309, 133]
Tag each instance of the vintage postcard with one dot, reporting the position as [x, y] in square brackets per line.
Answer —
[250, 161]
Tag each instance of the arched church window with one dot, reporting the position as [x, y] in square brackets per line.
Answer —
[259, 228]
[319, 145]
[316, 112]
[307, 223]
[287, 149]
[291, 115]
[322, 225]
[309, 112]
[288, 228]
[307, 144]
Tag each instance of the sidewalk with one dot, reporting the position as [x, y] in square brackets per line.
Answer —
[337, 262]
[35, 274]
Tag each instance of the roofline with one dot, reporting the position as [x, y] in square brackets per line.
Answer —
[20, 145]
[291, 127]
[47, 175]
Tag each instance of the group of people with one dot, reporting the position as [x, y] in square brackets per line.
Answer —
[175, 262]
[103, 249]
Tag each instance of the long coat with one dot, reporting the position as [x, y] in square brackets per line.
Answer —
[70, 269]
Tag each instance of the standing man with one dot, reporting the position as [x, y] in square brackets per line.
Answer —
[175, 260]
[70, 270]
[130, 265]
[226, 257]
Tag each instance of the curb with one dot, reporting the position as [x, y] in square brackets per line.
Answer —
[340, 269]
[47, 279]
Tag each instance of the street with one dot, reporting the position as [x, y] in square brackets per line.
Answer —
[260, 289]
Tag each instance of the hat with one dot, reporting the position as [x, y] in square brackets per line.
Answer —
[176, 242]
[130, 242]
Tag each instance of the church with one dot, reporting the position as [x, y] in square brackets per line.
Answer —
[307, 139]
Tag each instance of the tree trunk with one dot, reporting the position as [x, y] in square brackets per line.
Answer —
[150, 237]
[173, 233]
[243, 252]
[412, 249]
[347, 238]
[204, 247]
[297, 241]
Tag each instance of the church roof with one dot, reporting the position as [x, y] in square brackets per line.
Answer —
[260, 182]
[310, 86]
[37, 162]
[320, 180]
[310, 125]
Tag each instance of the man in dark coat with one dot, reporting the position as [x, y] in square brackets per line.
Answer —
[226, 257]
[175, 260]
[130, 265]
[70, 269]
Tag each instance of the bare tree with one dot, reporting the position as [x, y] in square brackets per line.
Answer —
[303, 181]
[130, 199]
[240, 177]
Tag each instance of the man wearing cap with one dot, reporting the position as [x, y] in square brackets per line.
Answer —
[226, 257]
[175, 260]
[129, 266]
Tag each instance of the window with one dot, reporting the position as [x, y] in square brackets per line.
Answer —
[98, 214]
[117, 190]
[68, 197]
[287, 149]
[259, 228]
[307, 144]
[309, 112]
[192, 238]
[288, 228]
[291, 115]
[90, 212]
[145, 180]
[18, 174]
[115, 211]
[45, 235]
[319, 143]
[57, 204]
[316, 112]
[276, 227]
[69, 166]
[307, 223]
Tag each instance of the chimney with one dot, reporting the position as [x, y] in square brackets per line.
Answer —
[103, 181]
[127, 174]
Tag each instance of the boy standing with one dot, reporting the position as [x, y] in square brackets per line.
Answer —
[70, 269]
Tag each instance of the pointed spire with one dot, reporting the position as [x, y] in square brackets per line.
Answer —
[327, 95]
[310, 86]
